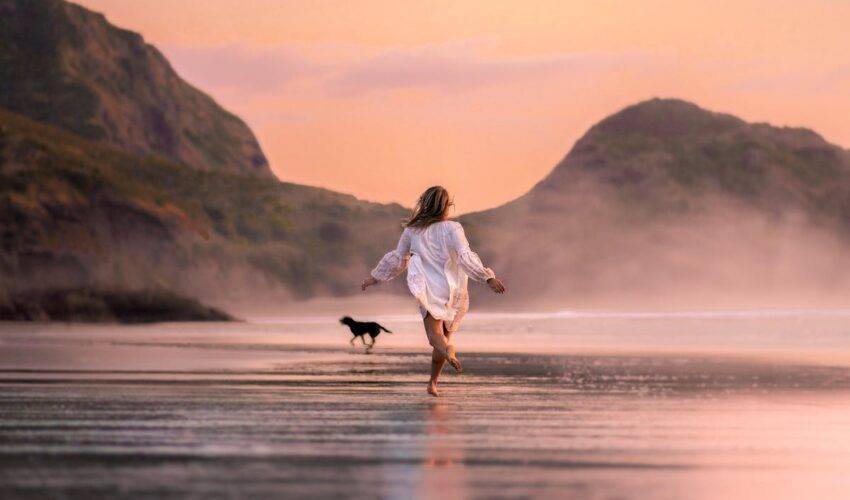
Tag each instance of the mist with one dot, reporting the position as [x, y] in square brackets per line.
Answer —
[717, 253]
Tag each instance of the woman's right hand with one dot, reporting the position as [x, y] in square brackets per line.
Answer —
[496, 285]
[367, 283]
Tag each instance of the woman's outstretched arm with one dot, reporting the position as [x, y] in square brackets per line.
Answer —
[392, 264]
[470, 262]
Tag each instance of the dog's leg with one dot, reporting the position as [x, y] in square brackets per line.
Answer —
[352, 341]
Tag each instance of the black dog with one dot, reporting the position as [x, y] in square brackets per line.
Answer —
[359, 329]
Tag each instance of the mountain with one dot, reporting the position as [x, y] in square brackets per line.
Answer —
[67, 66]
[75, 212]
[667, 201]
[120, 183]
[79, 213]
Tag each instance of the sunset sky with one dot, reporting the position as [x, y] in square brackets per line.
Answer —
[383, 98]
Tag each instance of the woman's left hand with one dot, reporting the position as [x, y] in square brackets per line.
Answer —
[367, 283]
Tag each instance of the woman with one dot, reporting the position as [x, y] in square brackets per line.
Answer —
[438, 260]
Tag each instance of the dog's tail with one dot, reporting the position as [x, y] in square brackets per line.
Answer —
[383, 328]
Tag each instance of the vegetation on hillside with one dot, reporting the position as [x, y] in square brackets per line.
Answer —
[666, 199]
[79, 213]
[664, 155]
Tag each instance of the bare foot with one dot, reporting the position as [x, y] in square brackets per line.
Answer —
[452, 358]
[432, 389]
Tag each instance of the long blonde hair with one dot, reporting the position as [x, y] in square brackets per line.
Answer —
[433, 206]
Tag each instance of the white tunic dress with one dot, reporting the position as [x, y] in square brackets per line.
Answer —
[438, 260]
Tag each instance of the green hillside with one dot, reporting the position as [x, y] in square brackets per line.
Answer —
[78, 213]
[667, 153]
[666, 199]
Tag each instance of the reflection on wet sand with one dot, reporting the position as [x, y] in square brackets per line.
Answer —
[443, 474]
[433, 465]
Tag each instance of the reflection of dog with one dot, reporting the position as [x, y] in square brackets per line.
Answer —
[359, 329]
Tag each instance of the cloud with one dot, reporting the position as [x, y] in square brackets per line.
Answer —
[807, 80]
[464, 67]
[351, 71]
[254, 69]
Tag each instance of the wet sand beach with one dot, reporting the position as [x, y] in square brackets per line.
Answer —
[690, 405]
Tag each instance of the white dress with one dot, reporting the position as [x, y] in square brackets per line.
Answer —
[438, 260]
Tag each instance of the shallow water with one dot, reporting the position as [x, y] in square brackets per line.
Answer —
[749, 404]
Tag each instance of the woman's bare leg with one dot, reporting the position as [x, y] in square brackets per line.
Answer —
[437, 363]
[443, 351]
[434, 331]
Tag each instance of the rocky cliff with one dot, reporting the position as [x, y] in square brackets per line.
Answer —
[67, 66]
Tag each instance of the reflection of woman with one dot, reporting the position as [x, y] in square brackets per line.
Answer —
[441, 450]
[438, 260]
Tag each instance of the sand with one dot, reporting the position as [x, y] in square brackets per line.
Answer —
[729, 405]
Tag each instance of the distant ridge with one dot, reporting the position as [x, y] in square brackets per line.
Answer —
[665, 198]
[663, 141]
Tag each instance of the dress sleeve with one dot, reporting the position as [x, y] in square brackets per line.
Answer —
[395, 261]
[466, 258]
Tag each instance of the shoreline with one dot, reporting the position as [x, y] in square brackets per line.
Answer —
[91, 305]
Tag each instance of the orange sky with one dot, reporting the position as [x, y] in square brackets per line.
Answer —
[383, 98]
